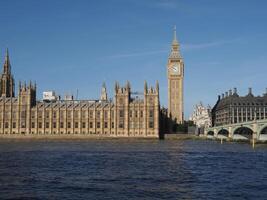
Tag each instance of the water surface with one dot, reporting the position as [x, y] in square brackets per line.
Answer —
[131, 169]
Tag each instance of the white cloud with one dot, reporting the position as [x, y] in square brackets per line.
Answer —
[208, 44]
[185, 47]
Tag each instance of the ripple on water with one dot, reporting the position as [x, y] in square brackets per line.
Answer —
[131, 170]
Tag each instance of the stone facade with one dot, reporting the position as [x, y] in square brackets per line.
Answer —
[124, 116]
[201, 116]
[232, 108]
[175, 74]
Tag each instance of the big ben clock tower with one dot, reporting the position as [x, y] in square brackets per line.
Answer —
[175, 71]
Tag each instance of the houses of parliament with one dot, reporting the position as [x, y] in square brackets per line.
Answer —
[124, 116]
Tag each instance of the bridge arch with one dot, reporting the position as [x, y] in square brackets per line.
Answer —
[211, 132]
[262, 134]
[263, 130]
[223, 132]
[243, 132]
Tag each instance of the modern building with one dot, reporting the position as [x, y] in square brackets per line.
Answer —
[124, 116]
[232, 108]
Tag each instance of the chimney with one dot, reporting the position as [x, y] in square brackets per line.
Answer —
[249, 90]
[219, 97]
[226, 94]
[235, 91]
[222, 95]
[230, 92]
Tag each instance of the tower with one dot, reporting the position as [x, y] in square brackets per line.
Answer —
[175, 73]
[7, 86]
[104, 95]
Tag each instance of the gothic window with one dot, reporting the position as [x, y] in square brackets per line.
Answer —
[105, 114]
[112, 124]
[91, 125]
[106, 125]
[98, 125]
[98, 114]
[76, 125]
[136, 114]
[40, 113]
[141, 113]
[14, 125]
[23, 114]
[61, 114]
[61, 125]
[76, 114]
[47, 125]
[151, 124]
[6, 125]
[46, 114]
[91, 114]
[84, 114]
[7, 115]
[121, 113]
[40, 125]
[83, 125]
[121, 125]
[131, 114]
[69, 125]
[131, 124]
[54, 125]
[33, 114]
[33, 125]
[55, 114]
[23, 124]
[151, 113]
[69, 114]
[23, 100]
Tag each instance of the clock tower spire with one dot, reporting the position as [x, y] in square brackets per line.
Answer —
[175, 74]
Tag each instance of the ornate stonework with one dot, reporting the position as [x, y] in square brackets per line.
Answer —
[175, 71]
[201, 116]
[124, 116]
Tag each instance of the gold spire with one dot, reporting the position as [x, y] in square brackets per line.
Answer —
[7, 54]
[174, 42]
[7, 67]
[175, 51]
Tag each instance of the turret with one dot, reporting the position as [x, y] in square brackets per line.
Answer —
[27, 94]
[250, 92]
[7, 85]
[157, 86]
[145, 87]
[104, 95]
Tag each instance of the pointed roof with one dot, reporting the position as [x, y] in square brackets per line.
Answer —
[104, 85]
[175, 51]
[104, 95]
[7, 66]
[174, 41]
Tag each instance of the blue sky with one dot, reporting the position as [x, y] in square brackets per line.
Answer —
[67, 45]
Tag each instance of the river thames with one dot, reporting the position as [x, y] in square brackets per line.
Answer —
[132, 169]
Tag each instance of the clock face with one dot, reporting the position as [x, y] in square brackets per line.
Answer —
[175, 68]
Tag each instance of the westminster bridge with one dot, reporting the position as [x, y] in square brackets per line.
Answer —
[249, 130]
